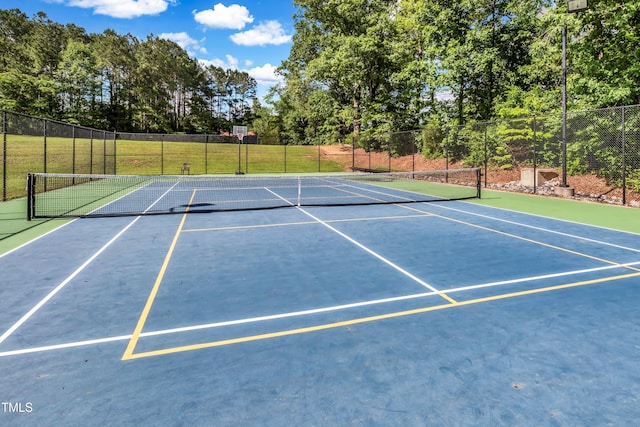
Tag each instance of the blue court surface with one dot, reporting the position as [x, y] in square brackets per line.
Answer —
[444, 314]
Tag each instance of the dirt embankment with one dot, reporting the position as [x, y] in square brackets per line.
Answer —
[586, 187]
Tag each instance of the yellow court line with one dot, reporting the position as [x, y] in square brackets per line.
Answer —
[372, 318]
[447, 297]
[515, 236]
[154, 291]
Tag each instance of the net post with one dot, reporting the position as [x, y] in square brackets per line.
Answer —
[31, 187]
[299, 191]
[479, 182]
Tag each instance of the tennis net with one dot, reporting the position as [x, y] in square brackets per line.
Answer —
[72, 195]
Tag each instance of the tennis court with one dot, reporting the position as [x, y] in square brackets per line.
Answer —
[371, 312]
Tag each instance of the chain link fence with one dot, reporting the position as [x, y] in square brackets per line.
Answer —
[30, 144]
[598, 159]
[601, 147]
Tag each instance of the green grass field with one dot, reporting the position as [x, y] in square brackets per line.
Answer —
[157, 158]
[26, 154]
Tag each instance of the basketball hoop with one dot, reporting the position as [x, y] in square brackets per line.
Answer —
[240, 132]
[574, 6]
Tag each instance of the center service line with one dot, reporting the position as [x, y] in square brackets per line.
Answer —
[371, 252]
[381, 258]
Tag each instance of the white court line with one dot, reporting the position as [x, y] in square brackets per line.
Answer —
[288, 224]
[64, 283]
[58, 288]
[305, 312]
[533, 227]
[63, 346]
[364, 248]
[573, 236]
[373, 253]
[69, 221]
[37, 238]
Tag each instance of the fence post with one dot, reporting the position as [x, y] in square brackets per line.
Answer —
[73, 149]
[624, 165]
[44, 136]
[353, 152]
[413, 151]
[486, 155]
[4, 155]
[389, 146]
[104, 150]
[535, 153]
[446, 148]
[44, 144]
[206, 153]
[115, 152]
[91, 152]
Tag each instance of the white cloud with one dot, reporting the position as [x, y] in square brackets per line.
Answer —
[265, 75]
[269, 32]
[233, 17]
[229, 63]
[122, 8]
[186, 42]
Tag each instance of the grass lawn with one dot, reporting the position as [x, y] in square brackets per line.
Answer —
[26, 154]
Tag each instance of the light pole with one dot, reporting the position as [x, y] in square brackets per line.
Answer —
[573, 6]
[564, 106]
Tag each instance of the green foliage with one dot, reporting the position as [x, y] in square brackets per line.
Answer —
[359, 68]
[432, 141]
[633, 181]
[115, 81]
[502, 157]
[604, 56]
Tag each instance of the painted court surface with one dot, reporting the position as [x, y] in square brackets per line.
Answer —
[419, 314]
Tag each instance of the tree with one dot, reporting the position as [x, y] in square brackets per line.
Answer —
[78, 79]
[15, 28]
[240, 90]
[344, 47]
[117, 63]
[604, 53]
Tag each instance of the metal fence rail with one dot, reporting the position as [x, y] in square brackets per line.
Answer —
[602, 156]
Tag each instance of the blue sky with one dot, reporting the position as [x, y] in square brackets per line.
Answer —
[250, 35]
